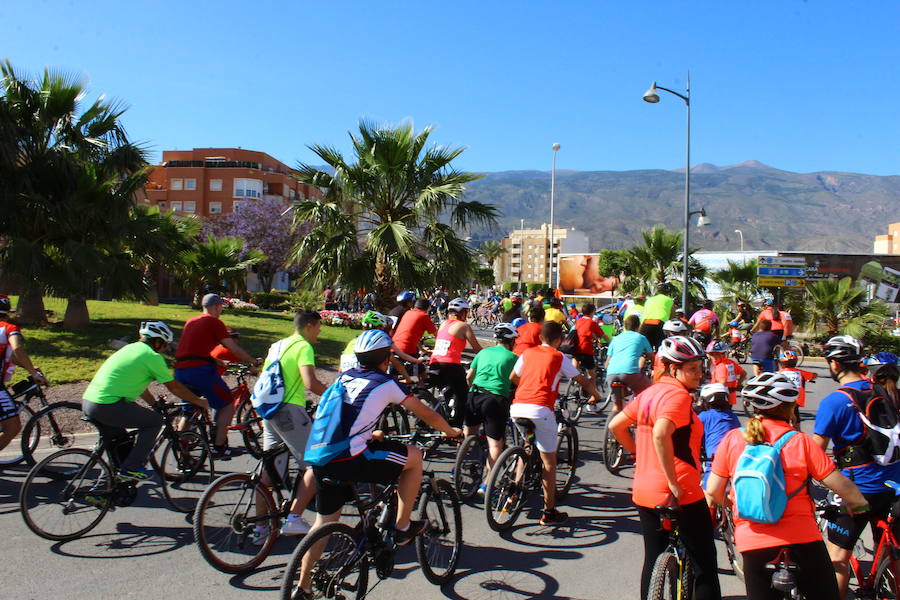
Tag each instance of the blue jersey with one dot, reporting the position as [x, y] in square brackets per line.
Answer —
[369, 392]
[716, 423]
[838, 420]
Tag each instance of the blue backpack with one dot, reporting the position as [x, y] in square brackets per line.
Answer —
[759, 487]
[327, 438]
[268, 391]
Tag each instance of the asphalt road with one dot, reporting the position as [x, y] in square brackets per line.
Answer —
[147, 551]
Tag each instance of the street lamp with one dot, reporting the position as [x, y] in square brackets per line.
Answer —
[552, 201]
[652, 97]
[741, 233]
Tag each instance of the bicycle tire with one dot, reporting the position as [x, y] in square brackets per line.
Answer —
[394, 421]
[505, 496]
[438, 549]
[224, 538]
[726, 528]
[568, 401]
[343, 548]
[566, 460]
[50, 429]
[664, 579]
[25, 450]
[686, 580]
[67, 475]
[180, 466]
[251, 427]
[885, 585]
[613, 453]
[468, 470]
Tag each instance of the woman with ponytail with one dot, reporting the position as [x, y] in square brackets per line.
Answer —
[773, 396]
[884, 372]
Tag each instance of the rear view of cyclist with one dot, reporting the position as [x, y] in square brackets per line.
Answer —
[110, 397]
[883, 369]
[446, 358]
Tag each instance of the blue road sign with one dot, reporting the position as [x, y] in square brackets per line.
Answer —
[781, 272]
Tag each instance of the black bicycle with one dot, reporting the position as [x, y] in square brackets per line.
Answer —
[672, 577]
[68, 493]
[342, 569]
[471, 461]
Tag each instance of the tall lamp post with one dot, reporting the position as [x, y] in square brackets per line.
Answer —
[553, 285]
[741, 233]
[652, 97]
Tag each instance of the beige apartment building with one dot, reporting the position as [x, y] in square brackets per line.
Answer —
[527, 256]
[890, 243]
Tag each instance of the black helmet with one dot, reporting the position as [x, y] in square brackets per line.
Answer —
[5, 306]
[844, 349]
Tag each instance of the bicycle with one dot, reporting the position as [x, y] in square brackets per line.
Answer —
[343, 567]
[789, 345]
[725, 527]
[77, 487]
[672, 577]
[575, 398]
[517, 472]
[614, 455]
[246, 421]
[471, 460]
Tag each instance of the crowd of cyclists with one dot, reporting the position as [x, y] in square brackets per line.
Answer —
[676, 389]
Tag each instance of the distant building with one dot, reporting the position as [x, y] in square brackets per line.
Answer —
[890, 243]
[527, 256]
[211, 181]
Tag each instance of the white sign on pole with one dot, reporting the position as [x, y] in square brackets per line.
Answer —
[784, 261]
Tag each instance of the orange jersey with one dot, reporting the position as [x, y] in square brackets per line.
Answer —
[799, 377]
[728, 372]
[223, 353]
[529, 337]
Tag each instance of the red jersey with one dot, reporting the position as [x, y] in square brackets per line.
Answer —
[728, 372]
[539, 370]
[198, 338]
[587, 328]
[223, 353]
[529, 337]
[447, 347]
[411, 328]
[7, 330]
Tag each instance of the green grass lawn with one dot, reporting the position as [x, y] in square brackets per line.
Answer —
[66, 356]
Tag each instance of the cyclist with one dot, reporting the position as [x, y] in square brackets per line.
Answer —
[488, 377]
[636, 308]
[291, 424]
[371, 458]
[12, 352]
[375, 320]
[724, 370]
[679, 314]
[195, 368]
[625, 359]
[412, 327]
[883, 371]
[110, 396]
[762, 346]
[447, 356]
[514, 311]
[588, 330]
[773, 396]
[781, 322]
[554, 312]
[705, 322]
[744, 316]
[536, 376]
[530, 332]
[838, 422]
[405, 302]
[667, 449]
[788, 367]
[718, 419]
[657, 310]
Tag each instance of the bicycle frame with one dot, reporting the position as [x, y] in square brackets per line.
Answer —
[669, 523]
[887, 546]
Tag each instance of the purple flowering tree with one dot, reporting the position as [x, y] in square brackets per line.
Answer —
[262, 226]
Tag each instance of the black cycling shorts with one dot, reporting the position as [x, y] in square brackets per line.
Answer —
[380, 462]
[8, 407]
[491, 410]
[844, 529]
[585, 361]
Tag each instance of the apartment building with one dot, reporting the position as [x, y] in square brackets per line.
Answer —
[527, 256]
[890, 243]
[211, 181]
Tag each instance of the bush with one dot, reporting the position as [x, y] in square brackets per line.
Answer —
[534, 287]
[269, 300]
[882, 343]
[511, 286]
[306, 299]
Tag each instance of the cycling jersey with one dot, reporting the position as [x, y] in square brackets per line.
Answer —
[529, 337]
[625, 351]
[704, 320]
[728, 372]
[7, 331]
[126, 374]
[540, 370]
[200, 335]
[554, 314]
[716, 425]
[492, 367]
[784, 323]
[448, 348]
[410, 329]
[658, 308]
[799, 377]
[587, 329]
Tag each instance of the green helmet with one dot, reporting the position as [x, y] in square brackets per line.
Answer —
[373, 320]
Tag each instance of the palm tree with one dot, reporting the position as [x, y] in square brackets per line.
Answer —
[658, 261]
[491, 250]
[208, 265]
[381, 224]
[841, 307]
[737, 280]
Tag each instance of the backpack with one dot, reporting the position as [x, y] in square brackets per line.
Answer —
[268, 391]
[704, 325]
[881, 438]
[760, 492]
[326, 439]
[569, 344]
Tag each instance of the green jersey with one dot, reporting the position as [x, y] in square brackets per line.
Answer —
[658, 307]
[298, 353]
[492, 368]
[126, 374]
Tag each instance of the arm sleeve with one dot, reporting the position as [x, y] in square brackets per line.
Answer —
[221, 330]
[517, 369]
[430, 327]
[807, 375]
[568, 369]
[817, 462]
[645, 345]
[398, 393]
[157, 366]
[306, 357]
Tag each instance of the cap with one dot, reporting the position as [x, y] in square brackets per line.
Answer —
[212, 300]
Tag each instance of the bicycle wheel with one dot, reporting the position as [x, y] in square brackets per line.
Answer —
[438, 548]
[468, 472]
[885, 585]
[225, 519]
[185, 469]
[566, 460]
[66, 494]
[613, 453]
[394, 421]
[506, 493]
[726, 529]
[13, 458]
[664, 579]
[342, 569]
[686, 581]
[251, 427]
[55, 427]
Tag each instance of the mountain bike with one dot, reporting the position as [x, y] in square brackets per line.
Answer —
[789, 345]
[725, 527]
[672, 577]
[471, 461]
[517, 472]
[342, 570]
[68, 493]
[614, 455]
[246, 421]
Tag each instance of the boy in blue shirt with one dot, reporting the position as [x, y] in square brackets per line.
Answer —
[717, 421]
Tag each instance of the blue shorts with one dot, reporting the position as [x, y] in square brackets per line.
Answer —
[766, 364]
[205, 381]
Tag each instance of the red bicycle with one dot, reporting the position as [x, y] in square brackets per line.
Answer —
[246, 421]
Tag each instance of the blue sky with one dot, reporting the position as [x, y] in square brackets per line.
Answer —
[802, 86]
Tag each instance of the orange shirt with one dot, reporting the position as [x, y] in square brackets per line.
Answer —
[539, 370]
[587, 328]
[799, 377]
[223, 353]
[801, 458]
[784, 323]
[667, 399]
[728, 372]
[529, 337]
[411, 328]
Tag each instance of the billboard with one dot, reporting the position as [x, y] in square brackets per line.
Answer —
[579, 275]
[879, 273]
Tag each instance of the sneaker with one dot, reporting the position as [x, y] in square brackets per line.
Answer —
[301, 594]
[482, 489]
[295, 526]
[225, 453]
[260, 535]
[139, 474]
[553, 517]
[416, 528]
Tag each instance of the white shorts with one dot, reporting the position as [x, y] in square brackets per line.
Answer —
[291, 425]
[545, 426]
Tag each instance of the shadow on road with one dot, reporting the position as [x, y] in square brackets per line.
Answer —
[128, 541]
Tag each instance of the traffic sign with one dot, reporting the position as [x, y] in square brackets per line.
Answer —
[792, 272]
[787, 261]
[780, 282]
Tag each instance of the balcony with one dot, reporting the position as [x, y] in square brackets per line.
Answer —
[214, 164]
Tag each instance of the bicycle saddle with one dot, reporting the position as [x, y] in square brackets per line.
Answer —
[106, 431]
[332, 482]
[523, 422]
[276, 449]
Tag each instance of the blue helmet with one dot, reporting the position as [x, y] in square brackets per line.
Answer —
[882, 358]
[518, 322]
[372, 339]
[733, 323]
[406, 296]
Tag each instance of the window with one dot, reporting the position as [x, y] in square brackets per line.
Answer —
[247, 188]
[176, 184]
[215, 208]
[190, 184]
[293, 194]
[176, 206]
[161, 205]
[237, 204]
[215, 185]
[190, 207]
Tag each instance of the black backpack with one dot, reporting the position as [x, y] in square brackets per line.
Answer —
[880, 441]
[569, 344]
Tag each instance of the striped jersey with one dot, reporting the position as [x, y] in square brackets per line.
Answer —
[369, 392]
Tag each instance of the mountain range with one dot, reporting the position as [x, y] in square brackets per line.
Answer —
[776, 210]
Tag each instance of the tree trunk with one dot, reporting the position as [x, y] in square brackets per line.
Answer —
[77, 314]
[266, 276]
[30, 309]
[151, 298]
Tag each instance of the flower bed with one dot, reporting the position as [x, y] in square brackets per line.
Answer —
[340, 318]
[238, 304]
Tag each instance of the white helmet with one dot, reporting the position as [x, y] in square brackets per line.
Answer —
[681, 349]
[505, 331]
[156, 329]
[457, 305]
[768, 390]
[675, 326]
[709, 390]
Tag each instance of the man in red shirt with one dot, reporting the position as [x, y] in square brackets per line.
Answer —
[530, 333]
[196, 368]
[782, 323]
[412, 326]
[588, 329]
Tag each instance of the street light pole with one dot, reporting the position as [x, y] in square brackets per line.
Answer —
[741, 233]
[552, 202]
